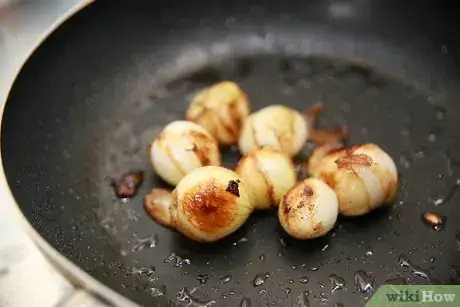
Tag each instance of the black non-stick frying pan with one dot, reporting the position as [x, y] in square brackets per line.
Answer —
[95, 94]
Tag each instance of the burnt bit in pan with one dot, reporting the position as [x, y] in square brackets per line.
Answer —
[434, 220]
[127, 185]
[329, 135]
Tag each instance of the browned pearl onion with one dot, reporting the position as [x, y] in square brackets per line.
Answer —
[268, 173]
[180, 148]
[364, 177]
[309, 210]
[221, 109]
[207, 204]
[276, 126]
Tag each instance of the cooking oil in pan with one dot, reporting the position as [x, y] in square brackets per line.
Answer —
[415, 270]
[304, 279]
[260, 279]
[185, 297]
[147, 271]
[337, 283]
[157, 292]
[287, 291]
[148, 242]
[302, 300]
[203, 278]
[364, 282]
[245, 302]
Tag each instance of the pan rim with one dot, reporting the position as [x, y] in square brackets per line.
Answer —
[77, 278]
[42, 242]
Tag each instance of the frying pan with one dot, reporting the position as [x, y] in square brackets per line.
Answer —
[93, 96]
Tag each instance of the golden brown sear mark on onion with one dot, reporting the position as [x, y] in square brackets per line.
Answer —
[208, 207]
[202, 156]
[347, 161]
[172, 158]
[233, 187]
[290, 200]
[127, 185]
[329, 179]
[201, 152]
[155, 206]
[319, 228]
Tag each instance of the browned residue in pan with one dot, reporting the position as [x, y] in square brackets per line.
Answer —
[433, 219]
[127, 185]
[325, 136]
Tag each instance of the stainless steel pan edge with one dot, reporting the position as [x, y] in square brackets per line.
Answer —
[53, 279]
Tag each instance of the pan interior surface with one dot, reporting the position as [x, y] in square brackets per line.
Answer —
[90, 101]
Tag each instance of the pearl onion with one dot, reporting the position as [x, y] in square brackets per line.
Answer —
[208, 204]
[269, 174]
[276, 126]
[222, 110]
[364, 177]
[159, 204]
[180, 148]
[309, 210]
